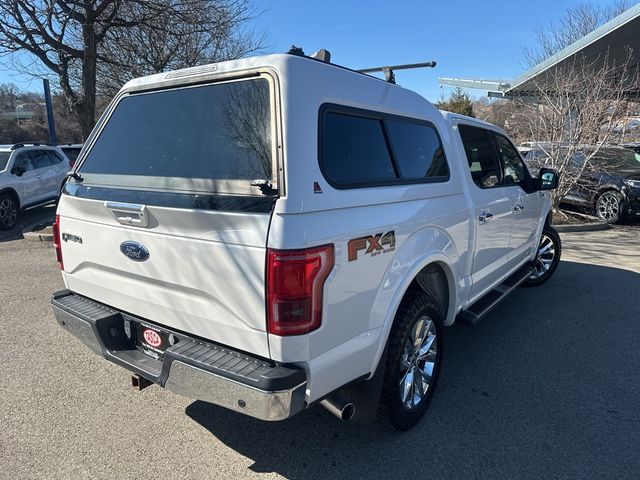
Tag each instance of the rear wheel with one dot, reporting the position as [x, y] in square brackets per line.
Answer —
[609, 206]
[414, 359]
[547, 257]
[8, 211]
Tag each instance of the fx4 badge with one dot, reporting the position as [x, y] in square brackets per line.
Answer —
[372, 244]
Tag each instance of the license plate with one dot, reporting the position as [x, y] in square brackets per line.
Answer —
[152, 340]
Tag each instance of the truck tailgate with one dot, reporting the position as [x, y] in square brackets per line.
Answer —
[204, 274]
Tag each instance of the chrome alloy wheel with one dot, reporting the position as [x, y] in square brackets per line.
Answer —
[418, 362]
[608, 207]
[8, 212]
[544, 258]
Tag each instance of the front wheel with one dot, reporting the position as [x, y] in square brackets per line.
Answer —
[8, 212]
[414, 359]
[547, 257]
[609, 206]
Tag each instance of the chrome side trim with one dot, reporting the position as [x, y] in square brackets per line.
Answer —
[193, 382]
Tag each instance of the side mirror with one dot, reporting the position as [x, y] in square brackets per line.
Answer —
[18, 171]
[548, 179]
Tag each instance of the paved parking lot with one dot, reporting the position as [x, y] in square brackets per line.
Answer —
[545, 387]
[28, 220]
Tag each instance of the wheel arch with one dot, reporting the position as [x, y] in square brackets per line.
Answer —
[13, 193]
[435, 272]
[606, 188]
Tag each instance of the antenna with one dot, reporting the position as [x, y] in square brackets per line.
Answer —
[389, 76]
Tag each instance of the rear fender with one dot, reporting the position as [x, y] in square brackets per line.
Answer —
[407, 263]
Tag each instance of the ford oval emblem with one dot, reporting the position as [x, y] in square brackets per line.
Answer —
[134, 250]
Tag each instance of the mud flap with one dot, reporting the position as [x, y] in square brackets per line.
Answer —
[365, 395]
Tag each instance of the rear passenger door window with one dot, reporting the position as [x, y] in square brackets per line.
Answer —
[481, 158]
[418, 150]
[40, 159]
[355, 150]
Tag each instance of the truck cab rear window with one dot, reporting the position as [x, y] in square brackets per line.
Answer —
[361, 149]
[218, 132]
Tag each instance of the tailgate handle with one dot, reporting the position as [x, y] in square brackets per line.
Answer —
[129, 213]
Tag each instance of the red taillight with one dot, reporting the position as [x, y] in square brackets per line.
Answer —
[295, 280]
[56, 242]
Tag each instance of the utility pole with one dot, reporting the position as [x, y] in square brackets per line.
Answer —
[50, 122]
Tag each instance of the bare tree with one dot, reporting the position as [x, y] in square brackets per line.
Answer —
[578, 21]
[246, 110]
[573, 111]
[193, 32]
[71, 39]
[63, 36]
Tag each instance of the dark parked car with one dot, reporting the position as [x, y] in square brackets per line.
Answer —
[71, 151]
[635, 146]
[610, 187]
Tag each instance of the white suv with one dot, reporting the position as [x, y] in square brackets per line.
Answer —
[31, 175]
[277, 232]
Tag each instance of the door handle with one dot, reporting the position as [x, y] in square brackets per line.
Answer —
[518, 208]
[129, 213]
[485, 216]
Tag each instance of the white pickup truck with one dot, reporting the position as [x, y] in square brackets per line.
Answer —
[275, 232]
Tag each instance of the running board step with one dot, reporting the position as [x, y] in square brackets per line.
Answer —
[478, 310]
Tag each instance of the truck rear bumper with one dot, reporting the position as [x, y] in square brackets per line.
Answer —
[191, 367]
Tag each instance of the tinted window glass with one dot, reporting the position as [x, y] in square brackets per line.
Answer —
[4, 158]
[355, 150]
[513, 167]
[616, 158]
[218, 132]
[55, 157]
[23, 161]
[480, 156]
[71, 153]
[40, 159]
[417, 150]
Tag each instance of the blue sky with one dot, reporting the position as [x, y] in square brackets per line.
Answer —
[473, 39]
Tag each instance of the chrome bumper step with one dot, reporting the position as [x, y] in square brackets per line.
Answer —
[192, 367]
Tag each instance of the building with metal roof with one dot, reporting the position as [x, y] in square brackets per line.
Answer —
[614, 38]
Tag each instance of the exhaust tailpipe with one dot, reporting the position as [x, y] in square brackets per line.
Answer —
[339, 407]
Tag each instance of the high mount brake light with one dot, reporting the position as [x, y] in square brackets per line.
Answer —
[295, 281]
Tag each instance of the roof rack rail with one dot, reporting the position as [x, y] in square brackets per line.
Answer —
[389, 76]
[29, 144]
[324, 56]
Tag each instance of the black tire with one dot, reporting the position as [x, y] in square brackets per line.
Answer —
[415, 307]
[9, 211]
[609, 206]
[541, 274]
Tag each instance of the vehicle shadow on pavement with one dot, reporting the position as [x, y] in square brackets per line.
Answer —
[44, 216]
[545, 386]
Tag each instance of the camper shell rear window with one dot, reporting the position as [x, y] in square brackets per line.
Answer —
[216, 138]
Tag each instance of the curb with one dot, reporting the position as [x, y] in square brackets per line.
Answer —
[44, 234]
[38, 237]
[582, 227]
